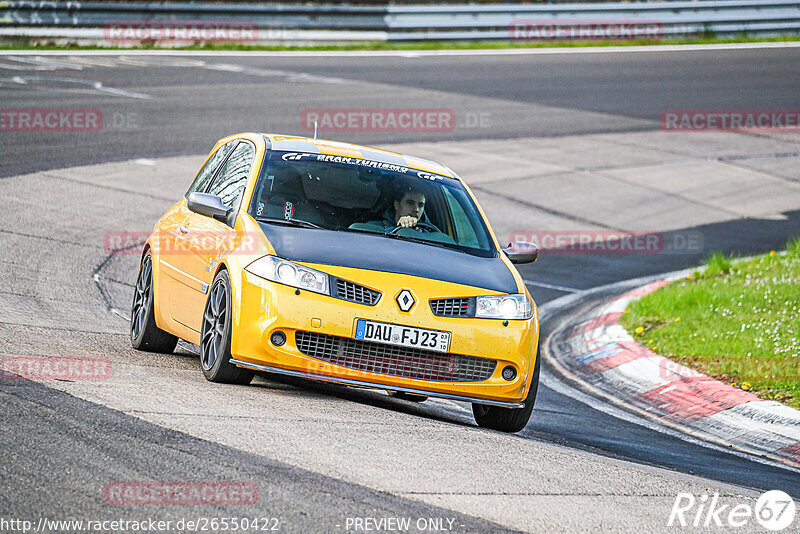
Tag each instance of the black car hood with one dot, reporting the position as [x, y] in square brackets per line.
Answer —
[378, 253]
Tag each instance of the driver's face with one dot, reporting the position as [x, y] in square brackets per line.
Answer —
[412, 203]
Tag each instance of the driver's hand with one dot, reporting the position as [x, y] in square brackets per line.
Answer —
[407, 221]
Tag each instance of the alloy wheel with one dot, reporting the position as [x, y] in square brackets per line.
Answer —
[214, 325]
[142, 296]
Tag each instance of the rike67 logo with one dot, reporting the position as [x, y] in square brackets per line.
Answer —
[774, 510]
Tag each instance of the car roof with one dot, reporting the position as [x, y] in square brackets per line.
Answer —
[335, 148]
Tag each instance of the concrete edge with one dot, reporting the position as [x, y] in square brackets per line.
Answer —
[593, 350]
[411, 52]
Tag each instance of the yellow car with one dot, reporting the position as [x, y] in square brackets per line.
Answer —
[343, 263]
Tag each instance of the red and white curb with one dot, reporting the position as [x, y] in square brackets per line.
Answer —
[594, 349]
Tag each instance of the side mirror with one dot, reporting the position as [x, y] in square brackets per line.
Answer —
[208, 205]
[522, 252]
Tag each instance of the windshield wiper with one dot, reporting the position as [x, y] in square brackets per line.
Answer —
[451, 246]
[289, 222]
[420, 240]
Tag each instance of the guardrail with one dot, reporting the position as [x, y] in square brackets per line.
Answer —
[87, 20]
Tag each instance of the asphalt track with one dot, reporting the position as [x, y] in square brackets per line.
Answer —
[175, 106]
[189, 102]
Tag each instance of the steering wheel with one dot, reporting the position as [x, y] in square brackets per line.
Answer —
[420, 224]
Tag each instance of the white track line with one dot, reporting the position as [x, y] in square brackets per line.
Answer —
[412, 53]
[552, 286]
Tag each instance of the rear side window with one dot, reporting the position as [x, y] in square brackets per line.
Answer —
[232, 178]
[207, 172]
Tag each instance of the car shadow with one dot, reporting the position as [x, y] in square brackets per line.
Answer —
[375, 398]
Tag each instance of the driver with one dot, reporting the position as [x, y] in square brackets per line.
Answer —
[406, 210]
[409, 205]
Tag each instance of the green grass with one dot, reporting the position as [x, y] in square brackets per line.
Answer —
[40, 44]
[736, 321]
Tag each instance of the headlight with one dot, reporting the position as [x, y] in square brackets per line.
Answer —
[504, 307]
[290, 274]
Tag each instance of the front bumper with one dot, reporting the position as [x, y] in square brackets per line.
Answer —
[267, 307]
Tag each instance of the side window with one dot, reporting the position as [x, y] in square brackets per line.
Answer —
[207, 172]
[465, 233]
[232, 178]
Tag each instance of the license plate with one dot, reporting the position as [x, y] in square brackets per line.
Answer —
[405, 336]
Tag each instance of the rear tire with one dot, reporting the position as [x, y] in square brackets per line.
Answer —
[145, 335]
[215, 337]
[509, 419]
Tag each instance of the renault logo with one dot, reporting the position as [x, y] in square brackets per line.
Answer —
[405, 300]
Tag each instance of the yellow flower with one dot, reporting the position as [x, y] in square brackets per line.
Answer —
[650, 342]
[639, 329]
[627, 311]
[780, 396]
[677, 319]
[745, 386]
[733, 384]
[655, 348]
[689, 276]
[771, 252]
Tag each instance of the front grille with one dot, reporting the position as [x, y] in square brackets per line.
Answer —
[456, 307]
[394, 360]
[353, 292]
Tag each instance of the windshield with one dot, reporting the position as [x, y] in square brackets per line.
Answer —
[357, 195]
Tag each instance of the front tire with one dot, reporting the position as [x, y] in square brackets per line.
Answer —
[145, 335]
[509, 419]
[215, 337]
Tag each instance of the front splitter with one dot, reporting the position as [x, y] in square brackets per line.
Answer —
[361, 383]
